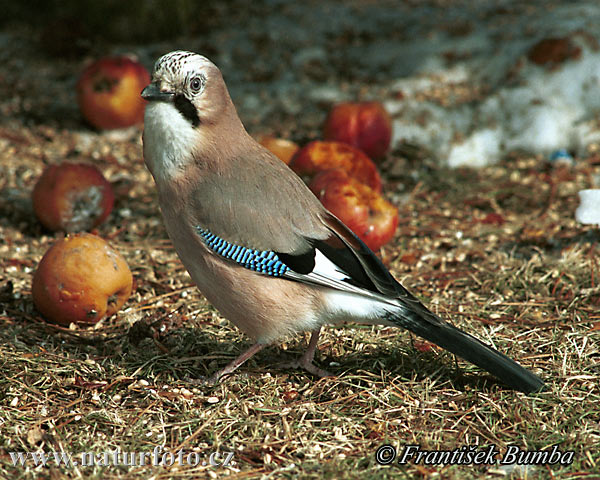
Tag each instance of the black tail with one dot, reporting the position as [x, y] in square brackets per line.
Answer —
[422, 322]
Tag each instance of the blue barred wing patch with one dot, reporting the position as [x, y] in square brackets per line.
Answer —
[265, 262]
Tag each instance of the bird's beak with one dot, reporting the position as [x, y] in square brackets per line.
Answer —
[153, 93]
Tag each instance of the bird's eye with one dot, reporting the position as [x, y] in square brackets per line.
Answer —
[196, 84]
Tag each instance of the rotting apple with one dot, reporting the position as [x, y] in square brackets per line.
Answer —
[364, 211]
[108, 92]
[81, 279]
[318, 156]
[72, 197]
[284, 149]
[364, 125]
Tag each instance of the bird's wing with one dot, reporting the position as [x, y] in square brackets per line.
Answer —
[341, 261]
[329, 263]
[257, 210]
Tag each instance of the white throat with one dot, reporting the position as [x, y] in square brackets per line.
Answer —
[168, 141]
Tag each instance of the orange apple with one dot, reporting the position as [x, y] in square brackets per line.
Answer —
[80, 279]
[108, 92]
[365, 125]
[319, 156]
[282, 148]
[72, 197]
[364, 211]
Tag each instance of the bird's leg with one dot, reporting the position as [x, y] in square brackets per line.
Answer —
[234, 365]
[306, 360]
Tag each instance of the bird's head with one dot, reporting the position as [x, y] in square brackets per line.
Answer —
[192, 84]
[190, 120]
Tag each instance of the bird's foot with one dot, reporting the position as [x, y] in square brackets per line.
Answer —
[215, 378]
[306, 360]
[309, 367]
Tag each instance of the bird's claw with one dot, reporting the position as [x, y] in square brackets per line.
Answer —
[309, 367]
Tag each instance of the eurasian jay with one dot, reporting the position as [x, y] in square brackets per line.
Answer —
[255, 240]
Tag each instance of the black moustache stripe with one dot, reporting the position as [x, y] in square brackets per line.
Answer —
[187, 109]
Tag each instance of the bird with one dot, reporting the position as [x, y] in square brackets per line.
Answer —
[258, 243]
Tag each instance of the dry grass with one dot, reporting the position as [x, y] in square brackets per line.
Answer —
[495, 250]
[529, 286]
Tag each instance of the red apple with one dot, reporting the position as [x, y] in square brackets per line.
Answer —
[362, 209]
[282, 148]
[365, 125]
[72, 197]
[108, 92]
[319, 156]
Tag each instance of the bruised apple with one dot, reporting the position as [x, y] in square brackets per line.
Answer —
[282, 148]
[318, 156]
[365, 125]
[81, 279]
[72, 197]
[108, 92]
[364, 211]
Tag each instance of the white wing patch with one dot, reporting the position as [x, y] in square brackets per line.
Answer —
[345, 301]
[326, 268]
